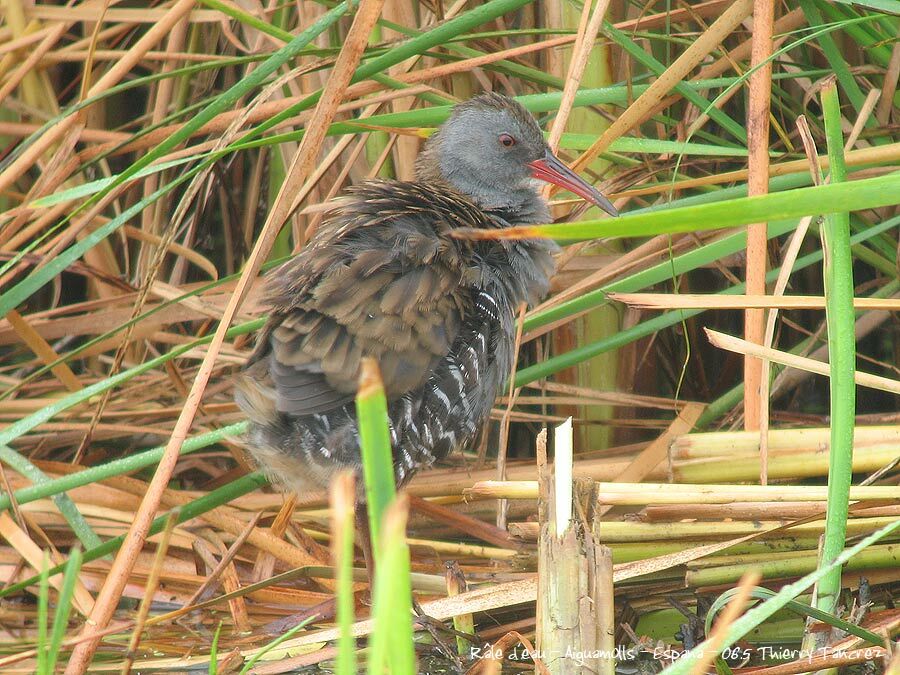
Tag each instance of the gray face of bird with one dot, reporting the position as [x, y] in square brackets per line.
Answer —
[488, 148]
[492, 149]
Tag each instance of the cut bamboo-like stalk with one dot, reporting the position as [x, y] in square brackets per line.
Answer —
[635, 532]
[635, 494]
[818, 439]
[752, 511]
[792, 565]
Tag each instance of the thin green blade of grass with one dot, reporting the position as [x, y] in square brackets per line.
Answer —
[214, 651]
[64, 606]
[95, 186]
[801, 609]
[866, 193]
[116, 467]
[866, 35]
[840, 319]
[391, 645]
[43, 616]
[834, 55]
[763, 611]
[375, 446]
[63, 502]
[268, 648]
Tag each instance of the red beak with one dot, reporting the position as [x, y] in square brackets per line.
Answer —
[551, 170]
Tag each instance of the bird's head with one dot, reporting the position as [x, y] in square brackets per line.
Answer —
[491, 149]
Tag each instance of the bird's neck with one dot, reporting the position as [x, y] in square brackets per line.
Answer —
[530, 209]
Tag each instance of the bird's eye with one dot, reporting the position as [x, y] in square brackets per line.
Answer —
[506, 140]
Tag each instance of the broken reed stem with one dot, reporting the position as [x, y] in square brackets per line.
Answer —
[575, 620]
[464, 623]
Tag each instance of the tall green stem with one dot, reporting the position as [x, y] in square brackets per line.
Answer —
[839, 316]
[375, 447]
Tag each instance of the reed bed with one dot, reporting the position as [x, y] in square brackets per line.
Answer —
[735, 494]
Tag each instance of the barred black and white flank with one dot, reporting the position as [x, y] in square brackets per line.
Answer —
[385, 278]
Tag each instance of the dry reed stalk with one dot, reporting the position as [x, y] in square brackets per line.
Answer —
[466, 524]
[824, 662]
[752, 511]
[151, 218]
[43, 351]
[889, 87]
[739, 346]
[726, 442]
[265, 562]
[225, 561]
[27, 67]
[758, 111]
[88, 14]
[781, 466]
